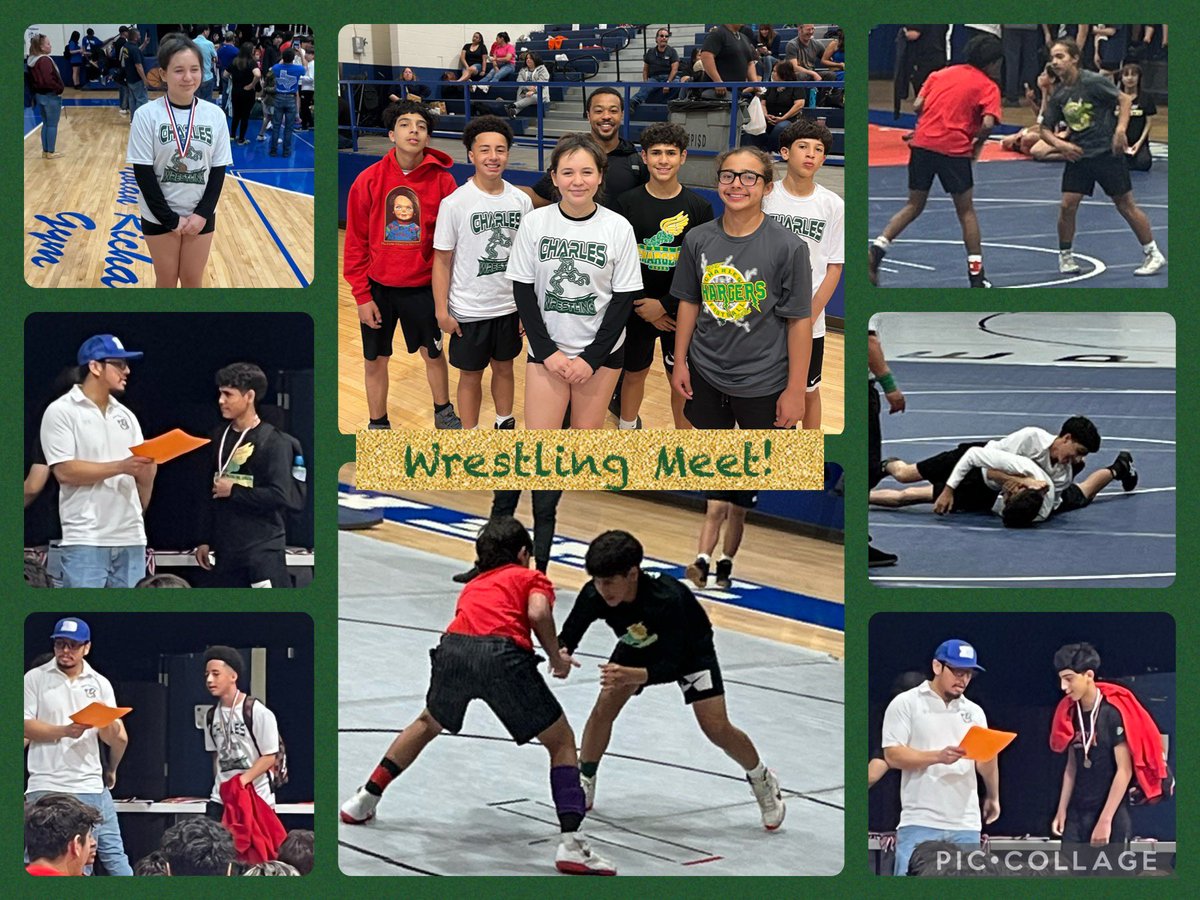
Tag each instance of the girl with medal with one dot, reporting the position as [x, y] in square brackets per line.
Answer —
[179, 148]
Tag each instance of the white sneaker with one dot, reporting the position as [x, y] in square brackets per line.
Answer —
[589, 790]
[360, 808]
[1154, 261]
[770, 800]
[575, 857]
[1067, 264]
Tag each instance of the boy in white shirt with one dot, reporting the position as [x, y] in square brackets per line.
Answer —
[817, 215]
[473, 299]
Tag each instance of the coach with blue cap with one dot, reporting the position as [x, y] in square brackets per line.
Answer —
[86, 435]
[64, 756]
[922, 730]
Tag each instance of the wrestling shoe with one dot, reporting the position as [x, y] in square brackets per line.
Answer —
[509, 424]
[1067, 264]
[464, 577]
[883, 465]
[877, 558]
[724, 573]
[697, 573]
[383, 426]
[770, 800]
[978, 281]
[1153, 262]
[575, 857]
[447, 419]
[874, 258]
[1124, 471]
[589, 790]
[360, 808]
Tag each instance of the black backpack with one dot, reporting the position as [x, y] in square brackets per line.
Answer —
[277, 775]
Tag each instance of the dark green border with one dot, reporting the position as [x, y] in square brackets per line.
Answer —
[333, 449]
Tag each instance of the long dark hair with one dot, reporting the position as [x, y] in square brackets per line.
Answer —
[245, 57]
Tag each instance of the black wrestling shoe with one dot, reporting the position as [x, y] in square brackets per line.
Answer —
[1124, 471]
[697, 573]
[877, 558]
[883, 465]
[725, 573]
[509, 424]
[979, 281]
[874, 258]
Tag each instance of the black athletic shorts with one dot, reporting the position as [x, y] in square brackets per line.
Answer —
[1080, 824]
[698, 675]
[251, 568]
[496, 671]
[1072, 497]
[954, 172]
[972, 493]
[153, 228]
[712, 408]
[815, 362]
[1112, 172]
[743, 499]
[616, 359]
[485, 340]
[640, 340]
[413, 308]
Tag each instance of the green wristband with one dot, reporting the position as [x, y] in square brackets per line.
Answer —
[887, 382]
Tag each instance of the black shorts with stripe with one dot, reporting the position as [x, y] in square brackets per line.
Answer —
[972, 494]
[497, 671]
[698, 673]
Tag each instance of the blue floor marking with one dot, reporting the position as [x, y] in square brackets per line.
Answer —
[271, 231]
[569, 552]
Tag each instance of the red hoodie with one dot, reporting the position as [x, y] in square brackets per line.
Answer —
[380, 247]
[1141, 735]
[257, 831]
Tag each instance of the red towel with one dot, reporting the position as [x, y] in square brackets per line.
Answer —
[1141, 734]
[257, 831]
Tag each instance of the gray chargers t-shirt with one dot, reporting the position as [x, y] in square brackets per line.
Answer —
[1089, 107]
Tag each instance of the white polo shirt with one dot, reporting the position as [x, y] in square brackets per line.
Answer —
[68, 765]
[109, 512]
[936, 796]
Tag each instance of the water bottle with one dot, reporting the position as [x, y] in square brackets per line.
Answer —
[298, 471]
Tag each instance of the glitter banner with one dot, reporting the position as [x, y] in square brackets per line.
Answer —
[590, 460]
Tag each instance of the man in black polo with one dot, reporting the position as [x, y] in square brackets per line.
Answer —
[605, 112]
[661, 63]
[727, 54]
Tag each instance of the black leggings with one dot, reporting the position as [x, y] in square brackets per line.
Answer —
[243, 105]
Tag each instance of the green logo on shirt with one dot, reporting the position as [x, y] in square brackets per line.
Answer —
[728, 295]
[1079, 114]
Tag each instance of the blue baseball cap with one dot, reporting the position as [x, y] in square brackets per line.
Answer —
[104, 346]
[73, 629]
[958, 655]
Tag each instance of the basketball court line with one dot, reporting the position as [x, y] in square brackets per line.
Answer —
[271, 231]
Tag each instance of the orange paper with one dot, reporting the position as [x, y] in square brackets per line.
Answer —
[166, 447]
[982, 744]
[97, 715]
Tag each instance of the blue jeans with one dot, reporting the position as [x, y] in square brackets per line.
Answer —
[497, 74]
[640, 97]
[51, 109]
[123, 95]
[94, 567]
[138, 96]
[205, 91]
[285, 108]
[909, 837]
[109, 847]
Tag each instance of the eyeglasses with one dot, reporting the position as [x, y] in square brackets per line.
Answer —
[748, 179]
[64, 644]
[119, 364]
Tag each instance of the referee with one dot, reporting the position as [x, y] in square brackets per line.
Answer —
[878, 374]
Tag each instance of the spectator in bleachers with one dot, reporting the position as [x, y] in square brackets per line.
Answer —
[58, 835]
[767, 45]
[244, 76]
[1111, 44]
[473, 58]
[1140, 110]
[784, 101]
[409, 89]
[834, 56]
[503, 57]
[1020, 60]
[804, 53]
[728, 55]
[532, 71]
[660, 64]
[925, 52]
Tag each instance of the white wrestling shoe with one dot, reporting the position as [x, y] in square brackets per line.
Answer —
[360, 808]
[589, 790]
[1153, 262]
[575, 857]
[770, 800]
[1067, 264]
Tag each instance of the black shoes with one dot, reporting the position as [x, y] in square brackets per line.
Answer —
[1124, 471]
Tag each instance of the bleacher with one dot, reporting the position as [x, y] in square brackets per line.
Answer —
[590, 55]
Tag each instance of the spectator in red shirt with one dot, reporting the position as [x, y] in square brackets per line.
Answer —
[58, 835]
[487, 653]
[957, 107]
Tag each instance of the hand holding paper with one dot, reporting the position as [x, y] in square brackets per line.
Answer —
[166, 447]
[97, 715]
[983, 744]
